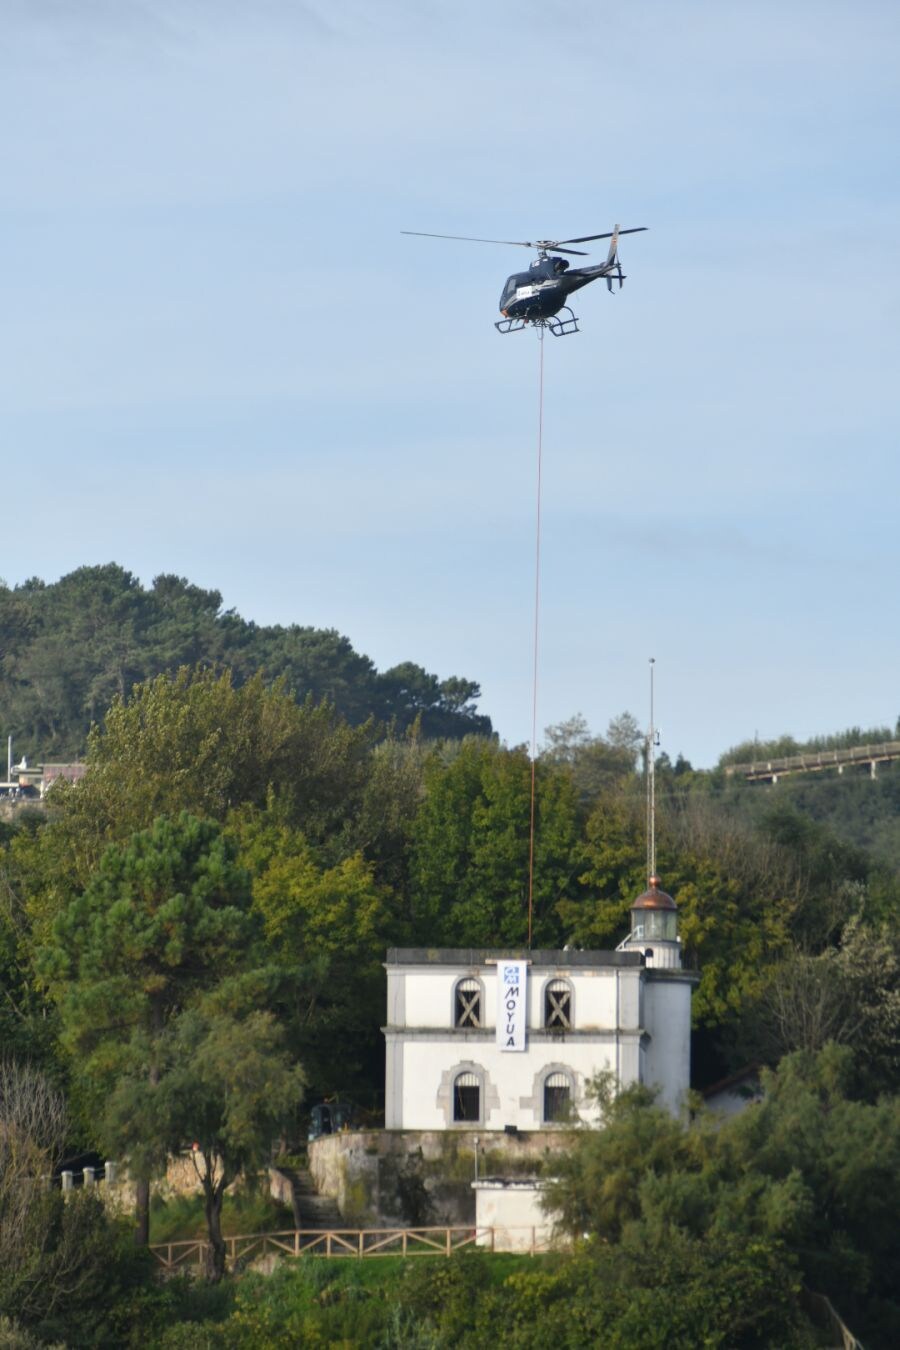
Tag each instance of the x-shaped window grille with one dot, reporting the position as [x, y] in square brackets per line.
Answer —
[559, 1008]
[468, 1008]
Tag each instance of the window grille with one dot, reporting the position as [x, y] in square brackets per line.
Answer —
[557, 1097]
[468, 1004]
[558, 1006]
[467, 1097]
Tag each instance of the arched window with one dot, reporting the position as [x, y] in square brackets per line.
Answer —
[467, 1003]
[558, 1005]
[557, 1097]
[467, 1098]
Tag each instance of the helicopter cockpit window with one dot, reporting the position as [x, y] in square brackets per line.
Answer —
[509, 290]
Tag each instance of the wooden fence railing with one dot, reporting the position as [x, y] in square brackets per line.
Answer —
[352, 1242]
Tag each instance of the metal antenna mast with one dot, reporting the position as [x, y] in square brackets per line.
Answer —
[652, 743]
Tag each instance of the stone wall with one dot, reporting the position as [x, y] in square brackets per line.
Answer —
[119, 1195]
[414, 1178]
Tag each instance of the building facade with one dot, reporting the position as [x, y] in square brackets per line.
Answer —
[461, 1054]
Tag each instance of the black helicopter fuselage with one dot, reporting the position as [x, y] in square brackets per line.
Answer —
[542, 291]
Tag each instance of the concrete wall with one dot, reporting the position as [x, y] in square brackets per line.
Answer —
[415, 1177]
[512, 1210]
[667, 1047]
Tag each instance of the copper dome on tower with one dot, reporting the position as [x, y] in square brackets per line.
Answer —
[654, 898]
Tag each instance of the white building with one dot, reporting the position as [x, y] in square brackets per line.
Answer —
[509, 1216]
[460, 1055]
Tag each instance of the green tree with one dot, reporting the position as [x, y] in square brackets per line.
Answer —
[162, 924]
[316, 664]
[224, 1086]
[849, 994]
[595, 763]
[470, 855]
[383, 828]
[196, 742]
[624, 733]
[809, 1171]
[66, 649]
[71, 647]
[442, 708]
[325, 929]
[737, 892]
[27, 1026]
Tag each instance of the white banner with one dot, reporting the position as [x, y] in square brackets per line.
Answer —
[512, 1004]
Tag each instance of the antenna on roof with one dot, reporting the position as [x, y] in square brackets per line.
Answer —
[650, 771]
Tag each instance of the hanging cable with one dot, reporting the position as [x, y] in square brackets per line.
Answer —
[537, 614]
[650, 770]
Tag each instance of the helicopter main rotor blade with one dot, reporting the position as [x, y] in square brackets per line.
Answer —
[468, 238]
[586, 238]
[515, 243]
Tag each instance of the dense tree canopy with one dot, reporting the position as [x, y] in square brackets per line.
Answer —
[809, 1176]
[325, 927]
[67, 648]
[139, 965]
[470, 848]
[192, 937]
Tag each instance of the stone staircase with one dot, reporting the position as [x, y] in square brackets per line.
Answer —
[311, 1210]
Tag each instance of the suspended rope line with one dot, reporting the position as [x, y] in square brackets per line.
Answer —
[537, 615]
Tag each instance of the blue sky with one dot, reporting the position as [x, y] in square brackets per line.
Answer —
[219, 357]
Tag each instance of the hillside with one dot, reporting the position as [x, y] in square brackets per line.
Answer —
[68, 647]
[217, 894]
[749, 751]
[856, 809]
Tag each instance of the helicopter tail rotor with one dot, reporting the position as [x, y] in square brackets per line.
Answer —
[612, 261]
[617, 275]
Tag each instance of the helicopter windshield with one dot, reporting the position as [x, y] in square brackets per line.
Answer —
[509, 291]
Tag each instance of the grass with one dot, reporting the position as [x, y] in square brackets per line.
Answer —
[391, 1302]
[244, 1211]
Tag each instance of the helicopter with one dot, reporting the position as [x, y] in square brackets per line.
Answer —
[538, 296]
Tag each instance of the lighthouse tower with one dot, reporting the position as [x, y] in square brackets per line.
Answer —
[654, 929]
[654, 923]
[666, 1009]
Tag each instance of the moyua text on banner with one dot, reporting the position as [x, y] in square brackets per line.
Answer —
[511, 1004]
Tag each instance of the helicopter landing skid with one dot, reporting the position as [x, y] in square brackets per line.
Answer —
[510, 325]
[559, 326]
